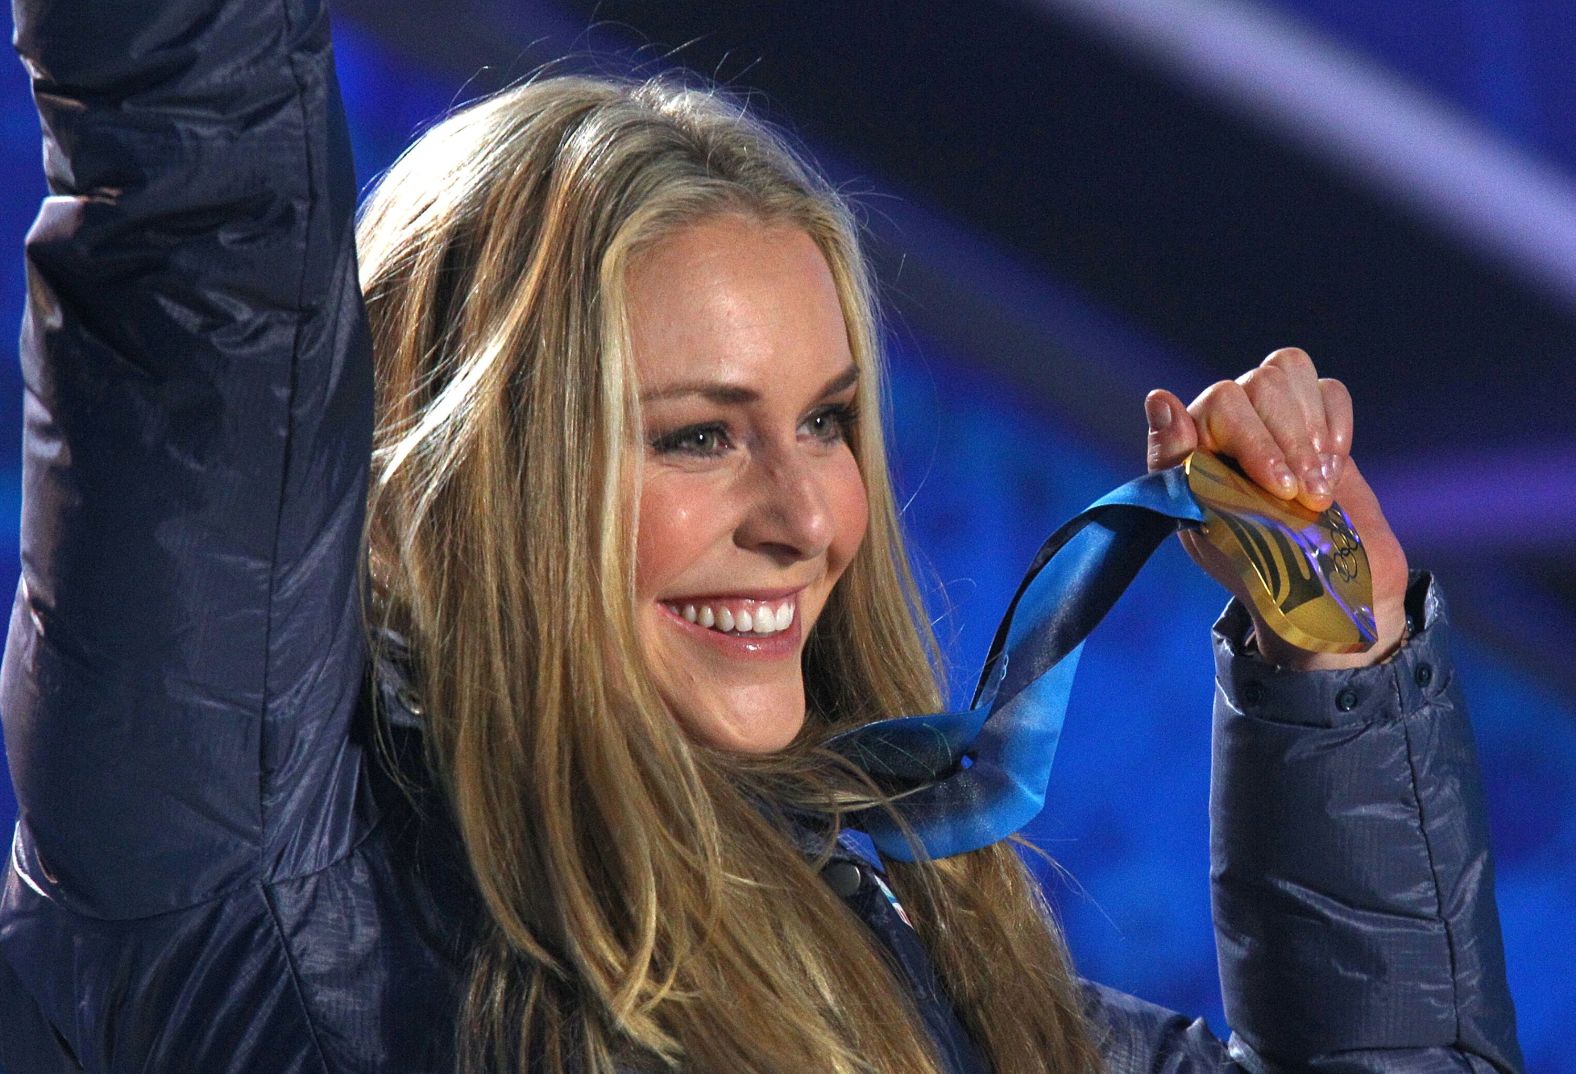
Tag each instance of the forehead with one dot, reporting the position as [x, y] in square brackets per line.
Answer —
[734, 300]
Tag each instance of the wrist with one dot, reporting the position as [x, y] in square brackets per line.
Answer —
[1394, 631]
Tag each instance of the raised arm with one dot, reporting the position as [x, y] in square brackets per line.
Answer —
[184, 649]
[1353, 893]
[1353, 889]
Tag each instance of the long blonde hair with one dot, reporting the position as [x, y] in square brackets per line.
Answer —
[647, 907]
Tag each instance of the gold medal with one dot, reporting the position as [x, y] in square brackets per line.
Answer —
[1306, 572]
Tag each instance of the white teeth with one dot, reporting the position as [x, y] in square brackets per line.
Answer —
[759, 621]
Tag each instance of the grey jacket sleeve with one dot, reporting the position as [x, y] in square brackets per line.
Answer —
[1352, 887]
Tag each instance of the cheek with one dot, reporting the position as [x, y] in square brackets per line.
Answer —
[663, 528]
[677, 524]
[850, 507]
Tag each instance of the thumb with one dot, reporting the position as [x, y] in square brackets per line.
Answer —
[1172, 434]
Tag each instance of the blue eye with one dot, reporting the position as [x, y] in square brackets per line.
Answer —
[701, 440]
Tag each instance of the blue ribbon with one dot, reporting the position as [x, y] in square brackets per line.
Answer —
[983, 772]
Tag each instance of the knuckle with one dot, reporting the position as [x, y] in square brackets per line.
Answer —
[1334, 389]
[1275, 447]
[1338, 413]
[1291, 441]
[1291, 360]
[1223, 394]
[1262, 380]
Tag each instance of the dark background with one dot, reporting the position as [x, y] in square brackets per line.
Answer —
[1072, 201]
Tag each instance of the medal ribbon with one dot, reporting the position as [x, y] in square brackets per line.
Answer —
[981, 774]
[988, 766]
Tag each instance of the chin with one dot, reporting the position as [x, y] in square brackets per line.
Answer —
[748, 723]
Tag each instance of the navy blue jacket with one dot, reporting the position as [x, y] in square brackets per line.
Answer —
[212, 874]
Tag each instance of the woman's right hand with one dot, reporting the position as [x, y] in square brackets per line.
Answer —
[1291, 432]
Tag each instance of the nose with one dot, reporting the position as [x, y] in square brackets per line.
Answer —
[789, 515]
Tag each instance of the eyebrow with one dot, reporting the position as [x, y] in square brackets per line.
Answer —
[735, 394]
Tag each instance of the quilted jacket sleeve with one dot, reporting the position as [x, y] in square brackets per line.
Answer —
[184, 649]
[1353, 893]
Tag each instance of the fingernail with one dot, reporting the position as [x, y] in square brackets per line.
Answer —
[1330, 467]
[1285, 478]
[1314, 481]
[1158, 413]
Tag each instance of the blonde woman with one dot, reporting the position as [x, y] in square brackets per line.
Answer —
[528, 772]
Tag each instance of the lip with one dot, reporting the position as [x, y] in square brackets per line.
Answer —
[762, 596]
[776, 646]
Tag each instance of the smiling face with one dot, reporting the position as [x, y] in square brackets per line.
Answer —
[751, 505]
